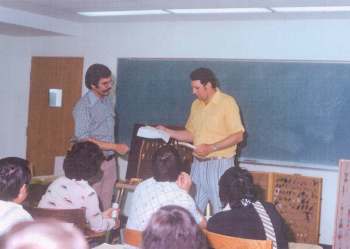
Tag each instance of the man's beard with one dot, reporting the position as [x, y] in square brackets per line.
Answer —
[106, 92]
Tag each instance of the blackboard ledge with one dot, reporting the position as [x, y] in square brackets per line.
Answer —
[297, 165]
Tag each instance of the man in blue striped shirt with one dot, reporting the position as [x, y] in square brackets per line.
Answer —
[94, 121]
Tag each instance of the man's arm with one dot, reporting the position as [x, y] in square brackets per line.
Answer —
[81, 121]
[181, 135]
[119, 148]
[205, 149]
[81, 117]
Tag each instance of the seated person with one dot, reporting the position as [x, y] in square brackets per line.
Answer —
[168, 186]
[82, 168]
[44, 234]
[243, 215]
[14, 180]
[173, 227]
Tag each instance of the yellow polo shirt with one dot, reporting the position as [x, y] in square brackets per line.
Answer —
[214, 122]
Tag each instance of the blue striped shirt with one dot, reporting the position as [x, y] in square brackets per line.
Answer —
[94, 118]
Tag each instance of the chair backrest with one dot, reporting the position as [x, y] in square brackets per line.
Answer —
[132, 237]
[219, 241]
[142, 150]
[75, 216]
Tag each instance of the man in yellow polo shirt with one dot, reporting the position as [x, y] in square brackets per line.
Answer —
[215, 128]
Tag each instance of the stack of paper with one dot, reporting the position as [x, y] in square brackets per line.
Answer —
[153, 133]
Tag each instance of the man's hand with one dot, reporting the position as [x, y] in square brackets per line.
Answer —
[108, 212]
[162, 128]
[184, 181]
[203, 150]
[181, 135]
[121, 148]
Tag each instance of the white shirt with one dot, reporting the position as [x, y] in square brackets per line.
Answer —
[65, 193]
[10, 214]
[151, 195]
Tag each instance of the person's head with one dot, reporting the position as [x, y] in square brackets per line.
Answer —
[83, 162]
[166, 164]
[44, 234]
[98, 78]
[173, 227]
[14, 179]
[204, 83]
[235, 185]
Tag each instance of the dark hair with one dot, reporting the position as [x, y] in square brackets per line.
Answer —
[234, 185]
[14, 173]
[96, 72]
[204, 75]
[166, 164]
[173, 227]
[44, 234]
[83, 162]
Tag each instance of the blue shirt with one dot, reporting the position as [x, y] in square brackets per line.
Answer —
[94, 118]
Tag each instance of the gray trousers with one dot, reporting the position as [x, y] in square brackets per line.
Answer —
[205, 177]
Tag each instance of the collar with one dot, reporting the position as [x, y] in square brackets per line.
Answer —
[78, 182]
[216, 96]
[227, 207]
[10, 204]
[92, 98]
[245, 203]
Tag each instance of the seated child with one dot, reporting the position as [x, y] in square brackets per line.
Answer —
[245, 216]
[14, 180]
[173, 227]
[82, 168]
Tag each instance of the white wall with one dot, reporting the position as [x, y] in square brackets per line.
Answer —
[104, 43]
[14, 81]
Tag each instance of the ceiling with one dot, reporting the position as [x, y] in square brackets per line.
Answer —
[28, 17]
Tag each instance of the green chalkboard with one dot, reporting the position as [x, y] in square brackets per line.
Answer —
[293, 111]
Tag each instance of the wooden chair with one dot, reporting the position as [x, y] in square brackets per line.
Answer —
[219, 241]
[132, 237]
[122, 186]
[74, 216]
[37, 188]
[142, 150]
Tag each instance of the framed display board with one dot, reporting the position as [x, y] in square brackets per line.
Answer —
[342, 223]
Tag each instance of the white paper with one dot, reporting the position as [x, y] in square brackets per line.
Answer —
[188, 145]
[152, 133]
[108, 246]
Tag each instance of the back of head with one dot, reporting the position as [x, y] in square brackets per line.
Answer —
[236, 186]
[96, 72]
[205, 75]
[44, 234]
[166, 164]
[83, 162]
[14, 173]
[173, 227]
